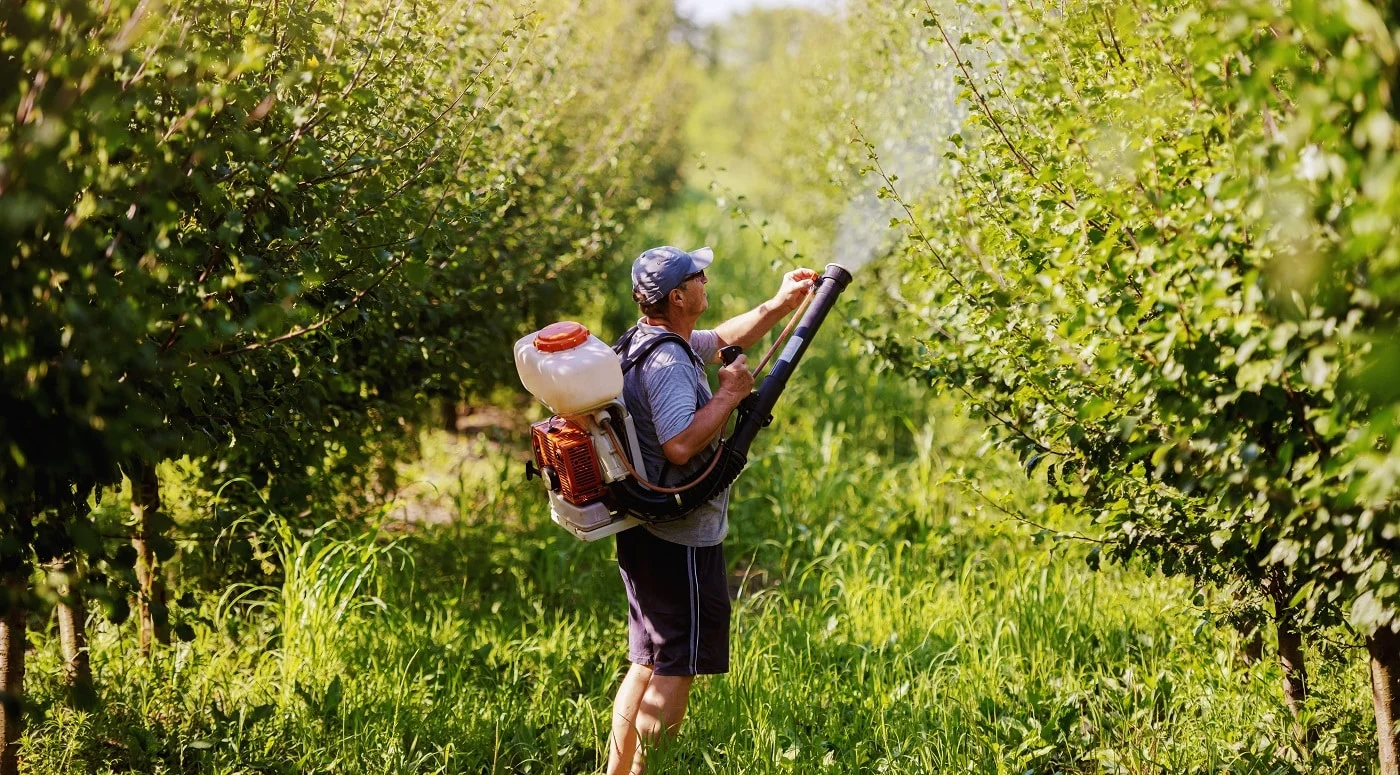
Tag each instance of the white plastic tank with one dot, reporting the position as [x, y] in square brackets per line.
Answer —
[568, 368]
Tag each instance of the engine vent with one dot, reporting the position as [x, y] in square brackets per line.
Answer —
[568, 450]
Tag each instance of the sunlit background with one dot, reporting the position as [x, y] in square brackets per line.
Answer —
[710, 11]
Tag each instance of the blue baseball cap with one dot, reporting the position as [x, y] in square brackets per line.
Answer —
[659, 271]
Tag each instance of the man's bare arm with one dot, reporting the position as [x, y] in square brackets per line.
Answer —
[735, 383]
[747, 328]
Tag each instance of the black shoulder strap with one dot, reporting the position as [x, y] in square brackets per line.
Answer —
[630, 359]
[624, 342]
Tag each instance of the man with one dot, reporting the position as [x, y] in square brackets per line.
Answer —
[674, 572]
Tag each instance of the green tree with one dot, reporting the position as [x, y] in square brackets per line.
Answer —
[267, 236]
[1156, 258]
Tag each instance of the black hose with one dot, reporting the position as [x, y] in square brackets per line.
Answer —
[755, 413]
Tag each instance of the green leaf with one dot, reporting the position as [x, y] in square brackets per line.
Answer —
[1094, 409]
[85, 536]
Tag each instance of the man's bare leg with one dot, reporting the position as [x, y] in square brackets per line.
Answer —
[661, 712]
[622, 744]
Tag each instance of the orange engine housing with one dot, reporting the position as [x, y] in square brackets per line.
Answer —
[568, 449]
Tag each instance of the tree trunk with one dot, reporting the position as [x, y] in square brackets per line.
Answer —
[72, 633]
[1253, 650]
[13, 642]
[1384, 647]
[151, 610]
[1248, 621]
[449, 415]
[1295, 672]
[1251, 643]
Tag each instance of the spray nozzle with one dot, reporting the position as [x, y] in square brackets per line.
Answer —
[730, 353]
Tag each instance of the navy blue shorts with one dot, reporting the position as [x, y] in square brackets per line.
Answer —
[677, 604]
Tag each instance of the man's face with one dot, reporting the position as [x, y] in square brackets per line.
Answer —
[693, 292]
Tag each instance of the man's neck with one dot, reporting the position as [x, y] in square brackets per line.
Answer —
[682, 328]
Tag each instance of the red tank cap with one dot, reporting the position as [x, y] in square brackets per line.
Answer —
[557, 337]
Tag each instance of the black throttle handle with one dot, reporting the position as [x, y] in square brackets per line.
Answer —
[729, 354]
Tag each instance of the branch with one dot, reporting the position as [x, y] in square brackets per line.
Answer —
[987, 110]
[1019, 517]
[318, 325]
[475, 115]
[1111, 36]
[748, 218]
[349, 87]
[909, 213]
[1013, 427]
[291, 144]
[976, 92]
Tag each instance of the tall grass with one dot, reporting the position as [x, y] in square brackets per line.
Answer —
[968, 648]
[326, 583]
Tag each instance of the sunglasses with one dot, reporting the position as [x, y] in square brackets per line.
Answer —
[697, 275]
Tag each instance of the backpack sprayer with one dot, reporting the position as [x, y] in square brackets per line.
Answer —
[587, 453]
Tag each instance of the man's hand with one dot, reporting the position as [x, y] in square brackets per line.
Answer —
[746, 329]
[735, 380]
[795, 286]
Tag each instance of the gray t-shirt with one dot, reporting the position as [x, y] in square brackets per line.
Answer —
[663, 394]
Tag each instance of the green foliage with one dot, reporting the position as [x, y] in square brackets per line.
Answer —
[1155, 258]
[266, 236]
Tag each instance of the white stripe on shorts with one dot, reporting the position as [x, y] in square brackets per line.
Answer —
[694, 610]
